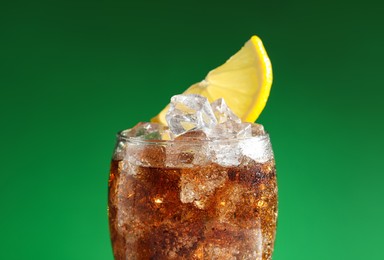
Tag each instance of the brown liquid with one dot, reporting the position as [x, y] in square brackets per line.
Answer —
[203, 212]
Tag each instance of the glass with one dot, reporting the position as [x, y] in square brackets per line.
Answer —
[192, 199]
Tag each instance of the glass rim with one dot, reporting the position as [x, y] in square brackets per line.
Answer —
[122, 136]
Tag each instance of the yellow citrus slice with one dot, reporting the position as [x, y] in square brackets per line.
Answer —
[244, 81]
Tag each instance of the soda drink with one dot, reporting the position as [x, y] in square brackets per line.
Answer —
[203, 187]
[177, 200]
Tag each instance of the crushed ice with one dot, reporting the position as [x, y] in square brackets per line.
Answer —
[192, 118]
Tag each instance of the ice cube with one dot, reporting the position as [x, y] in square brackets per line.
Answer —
[195, 135]
[223, 113]
[189, 149]
[167, 134]
[185, 155]
[172, 240]
[243, 130]
[189, 112]
[228, 199]
[258, 148]
[257, 129]
[225, 152]
[228, 241]
[229, 130]
[146, 155]
[149, 131]
[198, 184]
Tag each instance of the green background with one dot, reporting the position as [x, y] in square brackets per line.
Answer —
[73, 73]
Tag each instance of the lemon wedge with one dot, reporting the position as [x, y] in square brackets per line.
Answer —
[244, 81]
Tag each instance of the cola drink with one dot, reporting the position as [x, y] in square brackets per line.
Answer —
[192, 197]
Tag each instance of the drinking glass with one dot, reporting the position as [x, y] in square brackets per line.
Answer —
[192, 199]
